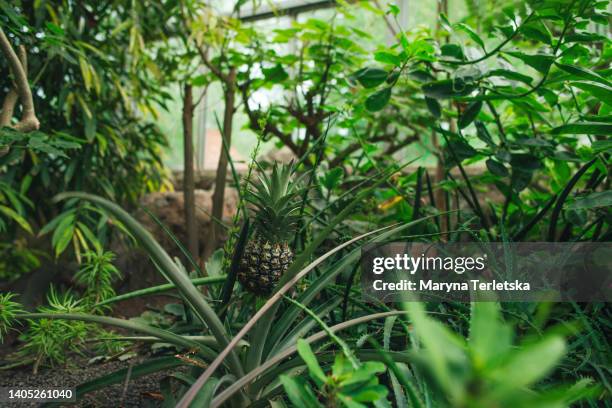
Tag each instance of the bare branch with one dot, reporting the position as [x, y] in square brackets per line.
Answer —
[18, 67]
[8, 107]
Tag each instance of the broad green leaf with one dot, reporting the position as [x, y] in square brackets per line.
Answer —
[434, 106]
[585, 37]
[483, 133]
[514, 76]
[584, 128]
[370, 77]
[470, 113]
[525, 162]
[51, 225]
[349, 402]
[530, 104]
[593, 200]
[600, 146]
[462, 149]
[539, 62]
[55, 29]
[489, 336]
[66, 221]
[442, 349]
[63, 238]
[448, 88]
[598, 90]
[12, 214]
[421, 75]
[497, 168]
[529, 363]
[315, 370]
[584, 73]
[369, 393]
[378, 100]
[536, 30]
[364, 373]
[387, 58]
[298, 393]
[452, 50]
[471, 33]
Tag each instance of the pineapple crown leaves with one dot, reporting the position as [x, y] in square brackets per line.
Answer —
[275, 200]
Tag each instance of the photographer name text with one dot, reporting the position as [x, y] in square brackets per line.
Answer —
[433, 286]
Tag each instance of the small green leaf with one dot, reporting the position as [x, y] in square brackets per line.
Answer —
[434, 106]
[55, 29]
[469, 114]
[275, 74]
[378, 100]
[536, 30]
[394, 10]
[199, 80]
[332, 177]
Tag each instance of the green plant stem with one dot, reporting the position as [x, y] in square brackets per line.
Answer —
[562, 197]
[165, 335]
[493, 51]
[155, 290]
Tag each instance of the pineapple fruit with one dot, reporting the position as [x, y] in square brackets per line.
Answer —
[275, 204]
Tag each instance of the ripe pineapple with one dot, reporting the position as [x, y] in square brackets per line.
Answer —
[267, 255]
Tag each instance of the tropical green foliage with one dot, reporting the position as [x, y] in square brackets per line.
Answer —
[493, 127]
[345, 386]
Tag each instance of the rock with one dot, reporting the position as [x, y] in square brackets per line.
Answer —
[282, 155]
[168, 207]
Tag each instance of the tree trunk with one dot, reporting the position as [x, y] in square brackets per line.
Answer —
[188, 174]
[218, 198]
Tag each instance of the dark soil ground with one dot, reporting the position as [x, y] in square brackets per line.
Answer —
[136, 392]
[139, 392]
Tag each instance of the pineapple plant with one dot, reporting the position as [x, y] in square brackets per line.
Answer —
[275, 204]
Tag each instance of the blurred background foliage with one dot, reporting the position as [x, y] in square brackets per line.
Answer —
[497, 111]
